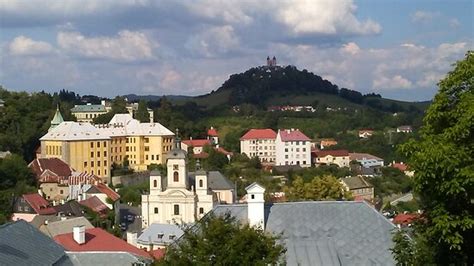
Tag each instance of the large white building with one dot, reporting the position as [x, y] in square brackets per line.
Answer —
[174, 199]
[293, 148]
[259, 143]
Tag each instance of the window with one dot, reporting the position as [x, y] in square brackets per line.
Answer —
[201, 210]
[127, 149]
[92, 164]
[105, 143]
[175, 167]
[304, 149]
[98, 163]
[172, 237]
[155, 183]
[152, 157]
[146, 157]
[176, 209]
[92, 154]
[105, 153]
[156, 209]
[160, 236]
[147, 148]
[105, 171]
[98, 172]
[286, 149]
[98, 144]
[304, 162]
[200, 183]
[176, 177]
[92, 144]
[98, 154]
[105, 163]
[252, 196]
[85, 164]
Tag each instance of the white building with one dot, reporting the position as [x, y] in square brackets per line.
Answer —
[259, 143]
[293, 148]
[174, 199]
[366, 160]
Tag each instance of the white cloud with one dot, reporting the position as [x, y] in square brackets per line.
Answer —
[395, 82]
[127, 46]
[323, 17]
[350, 48]
[213, 41]
[454, 23]
[424, 16]
[22, 45]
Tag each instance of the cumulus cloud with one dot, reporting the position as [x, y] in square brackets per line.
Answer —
[127, 46]
[350, 48]
[22, 45]
[395, 82]
[213, 41]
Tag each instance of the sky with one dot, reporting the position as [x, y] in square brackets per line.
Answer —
[399, 49]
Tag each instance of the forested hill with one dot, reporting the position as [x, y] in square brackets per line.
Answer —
[264, 86]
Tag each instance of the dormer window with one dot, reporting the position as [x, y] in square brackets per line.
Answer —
[160, 236]
[172, 237]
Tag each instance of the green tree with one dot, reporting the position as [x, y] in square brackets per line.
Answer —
[119, 105]
[142, 114]
[320, 188]
[222, 240]
[443, 161]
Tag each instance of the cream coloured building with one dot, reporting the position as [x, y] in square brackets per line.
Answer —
[174, 199]
[93, 149]
[87, 112]
[259, 143]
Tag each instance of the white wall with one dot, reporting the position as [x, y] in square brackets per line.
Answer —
[263, 148]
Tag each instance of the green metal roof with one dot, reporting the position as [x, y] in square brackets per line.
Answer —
[88, 108]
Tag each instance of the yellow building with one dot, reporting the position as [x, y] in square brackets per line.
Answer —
[93, 149]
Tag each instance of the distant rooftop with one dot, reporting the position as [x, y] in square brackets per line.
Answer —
[88, 108]
[266, 133]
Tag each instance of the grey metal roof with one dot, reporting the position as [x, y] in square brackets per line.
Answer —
[40, 220]
[23, 244]
[151, 234]
[53, 229]
[88, 108]
[100, 258]
[326, 233]
[216, 180]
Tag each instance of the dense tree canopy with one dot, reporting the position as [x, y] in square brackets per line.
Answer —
[443, 161]
[142, 114]
[319, 188]
[222, 240]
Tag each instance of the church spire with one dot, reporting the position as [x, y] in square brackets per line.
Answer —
[57, 119]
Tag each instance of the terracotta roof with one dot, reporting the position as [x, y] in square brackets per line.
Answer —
[403, 218]
[38, 203]
[212, 132]
[103, 188]
[292, 135]
[54, 165]
[334, 153]
[224, 151]
[259, 134]
[400, 166]
[158, 253]
[202, 155]
[196, 142]
[99, 240]
[95, 204]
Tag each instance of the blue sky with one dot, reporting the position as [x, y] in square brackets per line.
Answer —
[399, 49]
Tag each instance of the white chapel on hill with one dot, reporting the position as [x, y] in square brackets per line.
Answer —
[177, 198]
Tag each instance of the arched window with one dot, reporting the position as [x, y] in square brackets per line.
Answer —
[176, 177]
[156, 210]
[200, 182]
[176, 209]
[155, 183]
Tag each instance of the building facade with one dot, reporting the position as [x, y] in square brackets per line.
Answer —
[87, 112]
[175, 199]
[93, 149]
[338, 157]
[293, 148]
[259, 143]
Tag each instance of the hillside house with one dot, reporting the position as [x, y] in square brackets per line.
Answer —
[27, 206]
[328, 157]
[359, 187]
[404, 129]
[259, 143]
[293, 147]
[365, 133]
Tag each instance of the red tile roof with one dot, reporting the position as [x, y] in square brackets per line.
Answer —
[400, 166]
[292, 135]
[212, 132]
[334, 153]
[95, 204]
[114, 196]
[38, 204]
[158, 253]
[54, 165]
[259, 134]
[196, 142]
[405, 219]
[99, 240]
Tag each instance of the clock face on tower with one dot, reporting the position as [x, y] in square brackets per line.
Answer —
[175, 167]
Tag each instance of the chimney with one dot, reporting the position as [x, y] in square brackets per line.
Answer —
[255, 205]
[79, 234]
[132, 238]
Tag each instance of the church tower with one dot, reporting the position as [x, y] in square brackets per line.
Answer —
[57, 119]
[176, 165]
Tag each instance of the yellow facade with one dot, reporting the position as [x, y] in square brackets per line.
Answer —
[87, 116]
[90, 156]
[142, 151]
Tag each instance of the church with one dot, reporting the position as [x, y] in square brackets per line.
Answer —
[182, 197]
